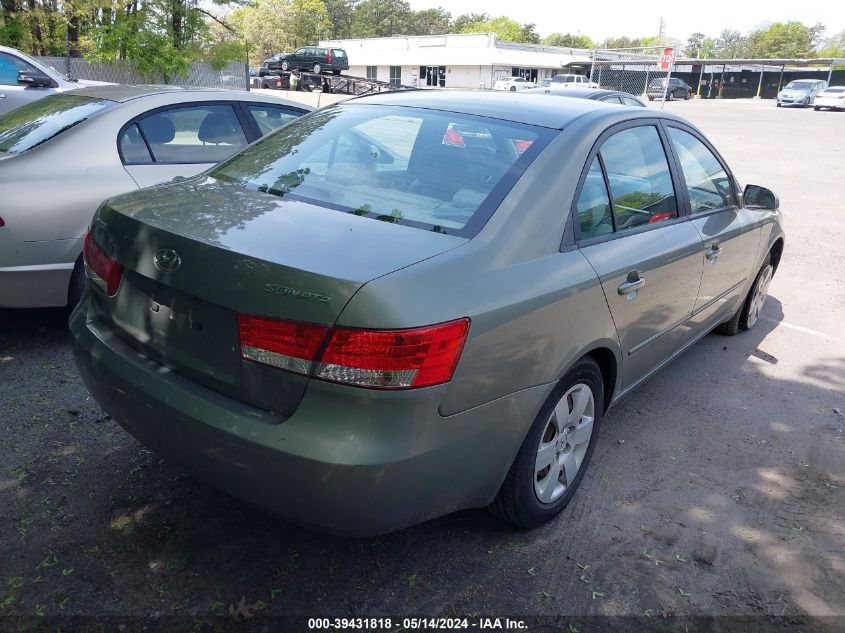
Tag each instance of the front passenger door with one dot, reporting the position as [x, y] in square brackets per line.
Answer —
[646, 256]
[730, 235]
[14, 94]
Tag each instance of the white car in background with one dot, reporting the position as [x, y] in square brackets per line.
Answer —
[564, 81]
[832, 97]
[24, 79]
[513, 84]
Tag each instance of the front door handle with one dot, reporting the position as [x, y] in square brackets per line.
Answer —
[2, 95]
[632, 285]
[712, 253]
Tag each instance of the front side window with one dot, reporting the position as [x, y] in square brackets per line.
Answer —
[40, 121]
[594, 216]
[431, 170]
[707, 182]
[10, 66]
[640, 181]
[194, 134]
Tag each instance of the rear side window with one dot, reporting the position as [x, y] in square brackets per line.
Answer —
[707, 182]
[338, 52]
[437, 171]
[631, 102]
[40, 121]
[270, 117]
[194, 134]
[640, 181]
[132, 147]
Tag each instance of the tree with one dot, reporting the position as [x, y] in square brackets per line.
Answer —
[700, 46]
[462, 22]
[505, 29]
[785, 39]
[834, 46]
[278, 26]
[569, 40]
[430, 22]
[731, 44]
[381, 18]
[622, 42]
[341, 14]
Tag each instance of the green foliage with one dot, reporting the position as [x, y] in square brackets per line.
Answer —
[381, 18]
[569, 40]
[834, 46]
[699, 45]
[430, 22]
[276, 26]
[505, 29]
[731, 44]
[785, 39]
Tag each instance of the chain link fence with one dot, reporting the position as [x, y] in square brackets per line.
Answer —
[630, 70]
[199, 75]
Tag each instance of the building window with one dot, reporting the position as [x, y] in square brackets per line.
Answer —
[372, 72]
[396, 75]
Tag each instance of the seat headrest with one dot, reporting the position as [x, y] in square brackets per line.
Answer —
[158, 129]
[216, 127]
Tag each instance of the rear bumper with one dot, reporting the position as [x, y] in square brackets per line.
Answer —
[829, 103]
[348, 461]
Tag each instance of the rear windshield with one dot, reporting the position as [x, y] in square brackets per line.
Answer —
[35, 123]
[433, 170]
[835, 90]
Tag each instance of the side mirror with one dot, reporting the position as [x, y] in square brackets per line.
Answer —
[34, 79]
[757, 197]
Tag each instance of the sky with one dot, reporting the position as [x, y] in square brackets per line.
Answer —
[613, 18]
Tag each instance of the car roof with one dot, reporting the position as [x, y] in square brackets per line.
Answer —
[122, 93]
[577, 91]
[517, 107]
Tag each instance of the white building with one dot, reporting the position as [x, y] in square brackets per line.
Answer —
[470, 60]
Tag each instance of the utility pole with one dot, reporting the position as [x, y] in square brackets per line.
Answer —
[662, 30]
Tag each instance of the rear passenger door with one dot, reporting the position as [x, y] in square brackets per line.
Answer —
[645, 253]
[182, 140]
[730, 234]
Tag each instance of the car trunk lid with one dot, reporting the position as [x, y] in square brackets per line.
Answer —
[199, 252]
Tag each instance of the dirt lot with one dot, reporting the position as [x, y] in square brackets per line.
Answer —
[718, 488]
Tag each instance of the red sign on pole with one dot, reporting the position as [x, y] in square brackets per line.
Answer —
[666, 60]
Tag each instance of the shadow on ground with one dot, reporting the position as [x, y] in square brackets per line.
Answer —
[717, 488]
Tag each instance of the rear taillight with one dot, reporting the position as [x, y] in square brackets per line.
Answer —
[2, 223]
[381, 359]
[102, 269]
[329, 58]
[283, 344]
[451, 137]
[278, 83]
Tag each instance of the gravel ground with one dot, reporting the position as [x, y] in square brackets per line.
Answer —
[717, 489]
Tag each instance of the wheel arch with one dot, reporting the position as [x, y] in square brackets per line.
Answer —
[776, 251]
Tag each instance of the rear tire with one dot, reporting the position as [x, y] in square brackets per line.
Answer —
[650, 98]
[748, 313]
[816, 108]
[335, 72]
[563, 433]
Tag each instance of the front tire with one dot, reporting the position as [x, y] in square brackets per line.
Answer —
[285, 65]
[556, 451]
[670, 96]
[748, 313]
[317, 69]
[687, 96]
[513, 88]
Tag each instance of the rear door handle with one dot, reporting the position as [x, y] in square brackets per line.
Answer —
[2, 95]
[712, 253]
[632, 285]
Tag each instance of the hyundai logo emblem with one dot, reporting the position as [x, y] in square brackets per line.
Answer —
[167, 260]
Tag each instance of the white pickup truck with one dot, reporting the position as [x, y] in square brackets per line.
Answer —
[24, 79]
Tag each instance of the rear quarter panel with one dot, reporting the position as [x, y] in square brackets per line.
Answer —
[535, 308]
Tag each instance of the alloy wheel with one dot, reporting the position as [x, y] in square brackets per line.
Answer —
[758, 299]
[564, 443]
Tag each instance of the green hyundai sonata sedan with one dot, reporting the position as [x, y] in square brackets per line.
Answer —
[413, 303]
